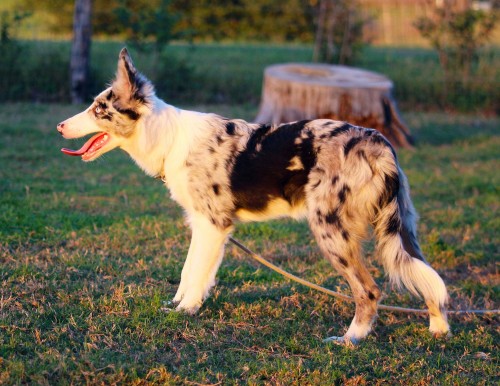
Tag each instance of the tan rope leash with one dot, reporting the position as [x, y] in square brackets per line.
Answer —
[342, 296]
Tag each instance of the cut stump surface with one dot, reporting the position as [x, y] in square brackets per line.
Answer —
[296, 91]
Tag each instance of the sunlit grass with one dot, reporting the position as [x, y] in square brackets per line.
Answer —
[89, 253]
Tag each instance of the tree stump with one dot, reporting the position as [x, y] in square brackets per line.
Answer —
[296, 91]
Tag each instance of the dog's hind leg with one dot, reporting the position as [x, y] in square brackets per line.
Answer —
[338, 239]
[204, 257]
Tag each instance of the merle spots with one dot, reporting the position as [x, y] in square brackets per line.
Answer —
[108, 116]
[335, 179]
[130, 113]
[380, 139]
[343, 261]
[371, 296]
[230, 128]
[333, 218]
[344, 191]
[216, 189]
[393, 225]
[391, 182]
[340, 130]
[350, 144]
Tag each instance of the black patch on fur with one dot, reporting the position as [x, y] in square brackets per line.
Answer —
[335, 179]
[340, 130]
[333, 218]
[343, 261]
[230, 128]
[378, 138]
[260, 171]
[110, 95]
[345, 235]
[258, 136]
[130, 113]
[393, 223]
[350, 144]
[391, 182]
[216, 189]
[371, 296]
[344, 191]
[108, 116]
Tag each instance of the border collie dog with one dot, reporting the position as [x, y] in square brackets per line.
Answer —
[341, 178]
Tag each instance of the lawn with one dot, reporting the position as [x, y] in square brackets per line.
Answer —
[89, 253]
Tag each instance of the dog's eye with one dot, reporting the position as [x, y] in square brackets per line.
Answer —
[98, 110]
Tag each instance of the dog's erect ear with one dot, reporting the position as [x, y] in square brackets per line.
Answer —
[125, 84]
[132, 89]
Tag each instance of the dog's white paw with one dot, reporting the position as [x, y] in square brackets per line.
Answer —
[178, 295]
[439, 327]
[189, 306]
[343, 340]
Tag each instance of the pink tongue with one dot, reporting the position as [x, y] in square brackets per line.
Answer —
[84, 148]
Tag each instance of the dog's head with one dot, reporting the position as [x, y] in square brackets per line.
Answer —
[113, 115]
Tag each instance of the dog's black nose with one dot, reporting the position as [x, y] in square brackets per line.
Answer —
[60, 127]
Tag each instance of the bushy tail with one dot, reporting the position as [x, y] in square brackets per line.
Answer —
[397, 245]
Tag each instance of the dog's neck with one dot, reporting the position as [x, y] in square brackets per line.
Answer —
[152, 146]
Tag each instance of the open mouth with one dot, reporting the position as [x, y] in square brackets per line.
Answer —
[90, 148]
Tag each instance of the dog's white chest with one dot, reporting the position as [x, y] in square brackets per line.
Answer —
[176, 181]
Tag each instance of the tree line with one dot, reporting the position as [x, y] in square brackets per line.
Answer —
[259, 20]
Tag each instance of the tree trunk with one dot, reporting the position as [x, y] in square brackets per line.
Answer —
[293, 92]
[80, 51]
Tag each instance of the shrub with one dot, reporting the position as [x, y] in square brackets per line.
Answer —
[174, 78]
[10, 65]
[458, 32]
[46, 76]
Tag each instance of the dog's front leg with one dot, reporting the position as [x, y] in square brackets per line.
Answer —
[204, 257]
[183, 285]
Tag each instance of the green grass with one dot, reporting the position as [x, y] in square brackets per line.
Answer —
[89, 253]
